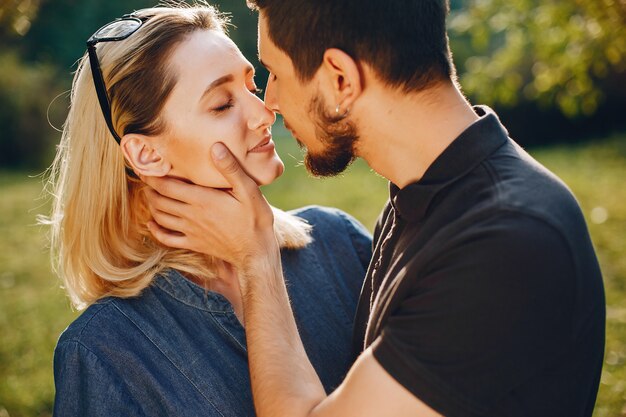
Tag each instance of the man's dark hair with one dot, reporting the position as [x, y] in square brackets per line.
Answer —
[404, 41]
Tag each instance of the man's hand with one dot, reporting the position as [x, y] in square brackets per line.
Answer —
[235, 225]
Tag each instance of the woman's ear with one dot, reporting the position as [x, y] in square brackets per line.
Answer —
[143, 156]
[345, 77]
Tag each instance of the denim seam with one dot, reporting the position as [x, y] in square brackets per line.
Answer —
[353, 236]
[226, 330]
[169, 359]
[102, 306]
[191, 305]
[346, 319]
[79, 343]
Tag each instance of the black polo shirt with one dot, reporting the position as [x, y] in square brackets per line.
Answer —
[484, 296]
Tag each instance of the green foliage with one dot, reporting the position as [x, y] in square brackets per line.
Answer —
[33, 310]
[62, 27]
[555, 52]
[36, 67]
[16, 16]
[26, 92]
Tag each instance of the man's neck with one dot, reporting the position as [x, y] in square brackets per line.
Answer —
[402, 134]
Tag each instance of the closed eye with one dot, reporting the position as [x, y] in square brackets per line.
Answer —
[224, 107]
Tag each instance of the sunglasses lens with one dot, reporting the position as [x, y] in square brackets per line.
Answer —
[118, 29]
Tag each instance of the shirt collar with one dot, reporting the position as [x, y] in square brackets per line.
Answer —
[187, 292]
[466, 152]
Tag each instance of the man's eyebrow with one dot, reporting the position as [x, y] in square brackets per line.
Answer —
[264, 64]
[224, 80]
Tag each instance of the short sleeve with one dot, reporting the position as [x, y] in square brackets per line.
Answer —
[488, 312]
[85, 387]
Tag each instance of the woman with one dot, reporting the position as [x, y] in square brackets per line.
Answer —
[162, 331]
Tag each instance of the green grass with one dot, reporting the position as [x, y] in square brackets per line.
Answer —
[596, 173]
[33, 310]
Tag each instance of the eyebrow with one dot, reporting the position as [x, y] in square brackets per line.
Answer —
[264, 64]
[229, 78]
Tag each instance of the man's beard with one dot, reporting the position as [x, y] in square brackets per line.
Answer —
[339, 138]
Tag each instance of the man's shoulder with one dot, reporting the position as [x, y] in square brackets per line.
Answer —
[523, 183]
[520, 186]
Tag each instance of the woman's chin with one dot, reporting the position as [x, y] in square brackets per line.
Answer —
[269, 173]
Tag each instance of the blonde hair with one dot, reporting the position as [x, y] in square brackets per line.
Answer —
[99, 239]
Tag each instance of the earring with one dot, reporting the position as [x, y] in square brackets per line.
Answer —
[343, 115]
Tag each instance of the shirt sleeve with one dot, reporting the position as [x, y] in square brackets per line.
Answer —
[491, 309]
[85, 387]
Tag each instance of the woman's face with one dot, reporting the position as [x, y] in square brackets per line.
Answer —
[215, 100]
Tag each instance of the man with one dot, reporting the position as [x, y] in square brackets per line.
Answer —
[484, 296]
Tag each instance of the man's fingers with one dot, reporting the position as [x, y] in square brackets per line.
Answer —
[171, 187]
[229, 167]
[168, 221]
[165, 204]
[167, 237]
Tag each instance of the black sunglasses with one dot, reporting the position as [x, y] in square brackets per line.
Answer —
[117, 30]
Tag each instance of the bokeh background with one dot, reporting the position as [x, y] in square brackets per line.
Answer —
[555, 71]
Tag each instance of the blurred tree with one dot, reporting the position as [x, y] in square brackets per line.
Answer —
[16, 17]
[26, 91]
[564, 53]
[40, 42]
[63, 26]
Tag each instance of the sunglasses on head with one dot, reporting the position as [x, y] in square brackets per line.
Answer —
[116, 30]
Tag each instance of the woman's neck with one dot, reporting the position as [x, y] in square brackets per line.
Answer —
[225, 283]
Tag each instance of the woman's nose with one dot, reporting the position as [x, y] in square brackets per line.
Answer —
[262, 117]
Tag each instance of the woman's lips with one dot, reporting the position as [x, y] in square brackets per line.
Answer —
[266, 145]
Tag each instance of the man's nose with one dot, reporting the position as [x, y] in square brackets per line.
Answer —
[270, 97]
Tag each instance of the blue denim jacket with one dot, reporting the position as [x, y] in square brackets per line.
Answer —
[178, 350]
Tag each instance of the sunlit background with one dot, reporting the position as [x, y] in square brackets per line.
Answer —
[555, 71]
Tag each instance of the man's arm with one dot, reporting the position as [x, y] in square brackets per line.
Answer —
[234, 226]
[284, 382]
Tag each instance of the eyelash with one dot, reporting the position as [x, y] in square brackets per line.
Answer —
[229, 105]
[225, 107]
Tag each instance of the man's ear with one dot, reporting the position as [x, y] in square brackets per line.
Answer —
[345, 77]
[143, 156]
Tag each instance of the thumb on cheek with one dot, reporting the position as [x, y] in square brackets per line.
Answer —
[226, 163]
[219, 152]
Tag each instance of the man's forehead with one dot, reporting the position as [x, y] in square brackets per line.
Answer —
[269, 54]
[262, 40]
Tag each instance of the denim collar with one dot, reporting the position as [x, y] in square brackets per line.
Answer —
[191, 294]
[466, 152]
